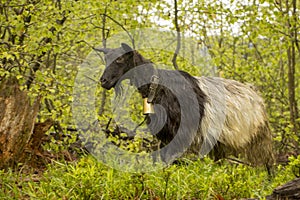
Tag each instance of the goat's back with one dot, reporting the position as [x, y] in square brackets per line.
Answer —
[234, 119]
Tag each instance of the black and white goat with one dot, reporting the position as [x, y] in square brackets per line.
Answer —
[195, 114]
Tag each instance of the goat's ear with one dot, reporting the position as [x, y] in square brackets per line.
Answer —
[103, 50]
[126, 47]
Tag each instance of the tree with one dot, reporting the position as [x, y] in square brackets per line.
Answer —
[43, 43]
[34, 40]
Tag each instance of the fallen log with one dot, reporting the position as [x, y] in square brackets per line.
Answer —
[290, 190]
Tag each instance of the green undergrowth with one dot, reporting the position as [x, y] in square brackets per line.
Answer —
[89, 179]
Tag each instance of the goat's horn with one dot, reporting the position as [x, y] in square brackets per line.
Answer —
[126, 47]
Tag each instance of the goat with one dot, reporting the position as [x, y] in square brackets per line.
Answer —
[200, 115]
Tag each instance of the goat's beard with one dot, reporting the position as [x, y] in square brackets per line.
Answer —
[118, 89]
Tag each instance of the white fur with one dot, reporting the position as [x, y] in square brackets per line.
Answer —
[234, 115]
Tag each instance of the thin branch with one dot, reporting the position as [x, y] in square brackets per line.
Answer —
[104, 35]
[234, 160]
[119, 24]
[178, 36]
[257, 51]
[104, 38]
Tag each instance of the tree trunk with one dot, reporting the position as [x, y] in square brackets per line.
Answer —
[17, 117]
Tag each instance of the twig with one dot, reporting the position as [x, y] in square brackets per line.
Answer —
[119, 24]
[104, 38]
[234, 160]
[167, 178]
[178, 36]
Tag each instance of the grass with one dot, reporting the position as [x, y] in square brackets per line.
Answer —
[89, 179]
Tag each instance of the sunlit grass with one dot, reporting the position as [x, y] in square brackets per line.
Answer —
[90, 179]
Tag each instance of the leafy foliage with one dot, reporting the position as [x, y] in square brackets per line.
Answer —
[45, 43]
[89, 179]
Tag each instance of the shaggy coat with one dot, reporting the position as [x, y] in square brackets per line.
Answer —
[231, 117]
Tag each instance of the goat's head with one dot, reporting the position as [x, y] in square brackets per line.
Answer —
[118, 62]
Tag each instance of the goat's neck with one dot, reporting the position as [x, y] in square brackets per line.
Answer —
[145, 76]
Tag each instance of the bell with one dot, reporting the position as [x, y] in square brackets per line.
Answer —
[148, 107]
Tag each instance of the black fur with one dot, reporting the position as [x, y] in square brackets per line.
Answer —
[119, 61]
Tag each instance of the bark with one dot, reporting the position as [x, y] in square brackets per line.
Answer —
[17, 117]
[291, 52]
[290, 190]
[38, 135]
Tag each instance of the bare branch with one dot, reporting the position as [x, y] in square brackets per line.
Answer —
[119, 24]
[178, 36]
[104, 38]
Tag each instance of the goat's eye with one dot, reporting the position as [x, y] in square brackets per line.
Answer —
[120, 60]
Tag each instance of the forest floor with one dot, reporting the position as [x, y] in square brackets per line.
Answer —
[87, 178]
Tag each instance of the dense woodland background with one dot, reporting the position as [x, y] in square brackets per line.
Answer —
[44, 43]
